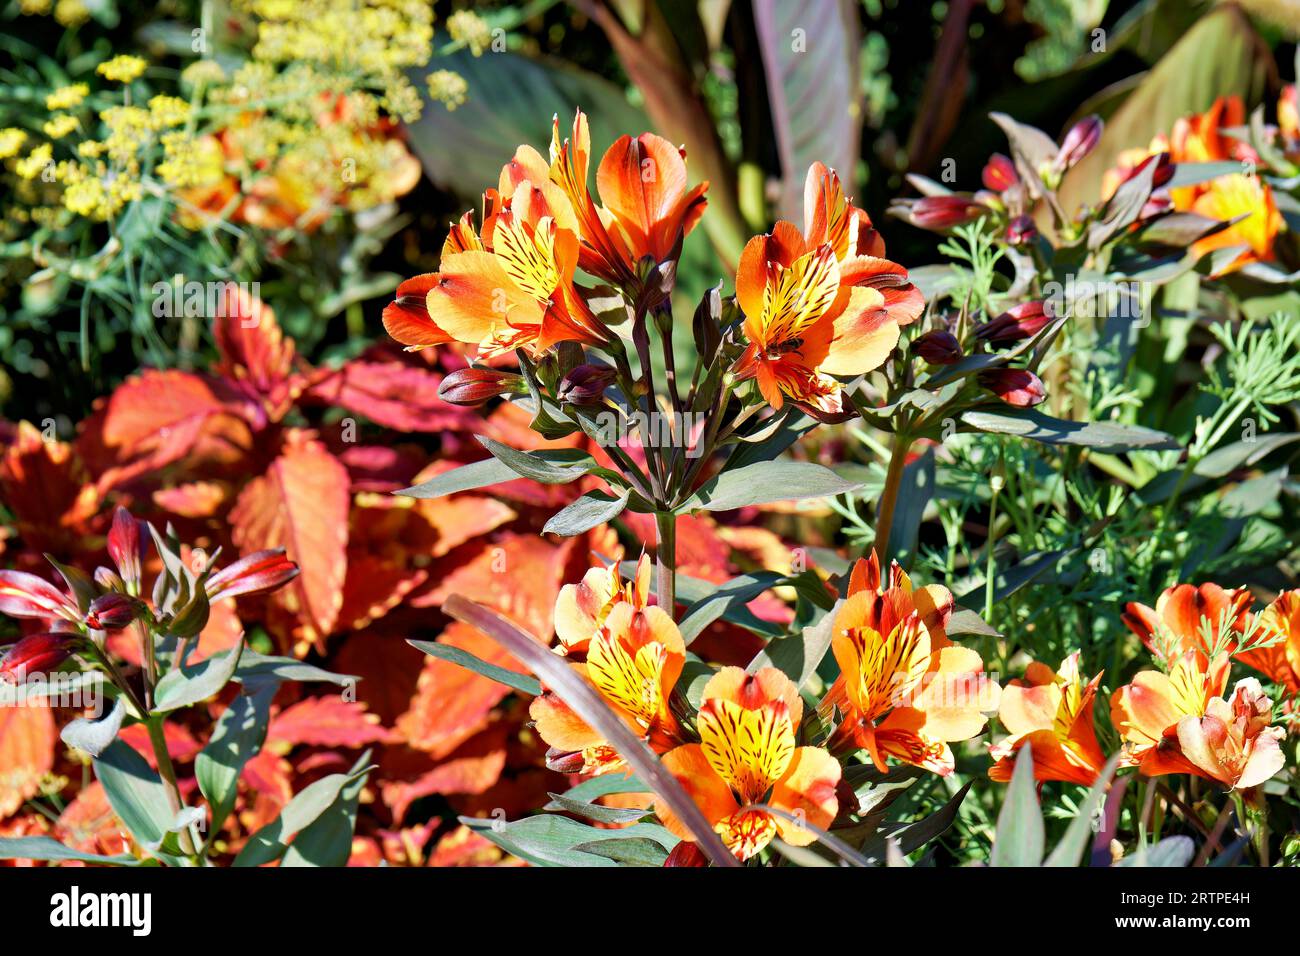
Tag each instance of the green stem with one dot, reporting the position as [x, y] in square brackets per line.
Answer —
[889, 497]
[666, 561]
[168, 773]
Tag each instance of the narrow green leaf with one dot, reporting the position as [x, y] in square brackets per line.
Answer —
[1020, 834]
[185, 686]
[135, 792]
[1103, 436]
[478, 474]
[523, 683]
[52, 851]
[557, 467]
[590, 511]
[636, 851]
[327, 840]
[236, 739]
[765, 482]
[1069, 852]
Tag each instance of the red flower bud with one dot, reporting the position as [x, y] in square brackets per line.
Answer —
[259, 571]
[1020, 322]
[1022, 229]
[565, 761]
[1078, 143]
[585, 384]
[1015, 386]
[686, 853]
[125, 545]
[26, 595]
[474, 386]
[112, 612]
[937, 347]
[944, 212]
[36, 654]
[1000, 173]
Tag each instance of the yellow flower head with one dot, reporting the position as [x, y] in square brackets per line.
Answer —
[11, 141]
[66, 97]
[35, 162]
[60, 125]
[469, 28]
[448, 88]
[122, 68]
[168, 111]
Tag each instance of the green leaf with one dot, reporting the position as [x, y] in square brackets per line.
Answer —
[557, 467]
[236, 739]
[511, 100]
[1218, 56]
[135, 792]
[52, 851]
[92, 736]
[582, 698]
[809, 51]
[912, 836]
[185, 686]
[1020, 834]
[327, 841]
[595, 811]
[1069, 852]
[765, 482]
[524, 683]
[1172, 851]
[590, 511]
[966, 621]
[634, 851]
[798, 655]
[1103, 436]
[708, 602]
[550, 840]
[478, 474]
[254, 667]
[272, 841]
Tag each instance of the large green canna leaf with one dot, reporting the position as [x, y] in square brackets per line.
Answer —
[1219, 56]
[810, 58]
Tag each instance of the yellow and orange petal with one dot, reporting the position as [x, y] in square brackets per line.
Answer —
[1176, 623]
[1279, 660]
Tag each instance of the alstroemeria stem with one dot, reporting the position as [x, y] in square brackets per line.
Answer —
[158, 739]
[666, 561]
[889, 497]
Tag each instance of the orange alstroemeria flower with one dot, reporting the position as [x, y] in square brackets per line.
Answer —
[819, 303]
[633, 661]
[509, 286]
[1053, 713]
[1234, 742]
[748, 755]
[1279, 660]
[904, 690]
[581, 609]
[1201, 138]
[647, 207]
[1182, 616]
[1147, 711]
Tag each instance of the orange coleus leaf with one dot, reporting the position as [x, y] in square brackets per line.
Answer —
[46, 486]
[472, 768]
[27, 739]
[144, 411]
[328, 721]
[254, 353]
[374, 587]
[301, 504]
[451, 703]
[89, 825]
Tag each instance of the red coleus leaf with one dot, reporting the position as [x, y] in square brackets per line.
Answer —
[301, 505]
[328, 722]
[195, 499]
[46, 487]
[391, 392]
[374, 587]
[472, 768]
[144, 411]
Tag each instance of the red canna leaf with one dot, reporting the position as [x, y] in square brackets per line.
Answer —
[301, 505]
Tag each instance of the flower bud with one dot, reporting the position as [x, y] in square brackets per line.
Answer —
[585, 385]
[1000, 173]
[259, 571]
[36, 654]
[1015, 386]
[938, 347]
[1020, 322]
[125, 545]
[112, 612]
[474, 386]
[1078, 143]
[945, 212]
[564, 761]
[686, 853]
[108, 580]
[1022, 229]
